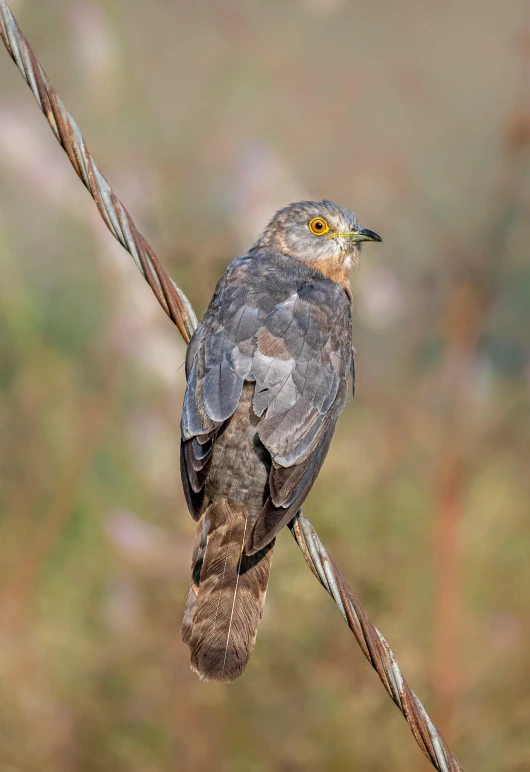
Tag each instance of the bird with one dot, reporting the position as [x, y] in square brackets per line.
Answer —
[267, 375]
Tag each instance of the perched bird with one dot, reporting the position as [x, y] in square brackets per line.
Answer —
[267, 372]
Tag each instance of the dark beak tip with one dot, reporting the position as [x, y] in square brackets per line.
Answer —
[371, 235]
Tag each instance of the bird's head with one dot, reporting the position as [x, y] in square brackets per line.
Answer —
[319, 233]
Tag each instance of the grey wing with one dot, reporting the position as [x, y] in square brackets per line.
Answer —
[214, 380]
[301, 366]
[294, 340]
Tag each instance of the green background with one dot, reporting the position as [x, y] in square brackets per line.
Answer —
[206, 117]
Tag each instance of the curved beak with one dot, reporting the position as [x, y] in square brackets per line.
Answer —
[362, 234]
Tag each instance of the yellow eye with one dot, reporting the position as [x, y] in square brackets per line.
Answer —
[318, 226]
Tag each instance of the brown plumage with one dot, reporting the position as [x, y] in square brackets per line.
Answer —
[267, 373]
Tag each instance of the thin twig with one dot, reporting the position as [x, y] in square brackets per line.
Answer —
[373, 645]
[115, 215]
[178, 308]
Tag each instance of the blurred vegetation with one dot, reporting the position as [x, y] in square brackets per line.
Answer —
[206, 117]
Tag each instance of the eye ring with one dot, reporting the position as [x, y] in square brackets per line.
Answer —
[318, 226]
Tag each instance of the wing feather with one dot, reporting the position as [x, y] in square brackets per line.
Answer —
[286, 327]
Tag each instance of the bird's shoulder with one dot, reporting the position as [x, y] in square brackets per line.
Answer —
[277, 272]
[264, 297]
[274, 321]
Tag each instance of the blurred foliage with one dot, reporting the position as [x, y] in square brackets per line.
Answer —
[206, 117]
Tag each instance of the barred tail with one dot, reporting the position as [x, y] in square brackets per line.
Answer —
[226, 596]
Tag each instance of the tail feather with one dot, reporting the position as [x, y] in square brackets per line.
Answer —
[199, 548]
[226, 596]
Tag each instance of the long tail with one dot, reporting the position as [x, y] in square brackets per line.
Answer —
[226, 596]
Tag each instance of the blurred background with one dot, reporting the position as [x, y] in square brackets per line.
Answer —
[206, 117]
